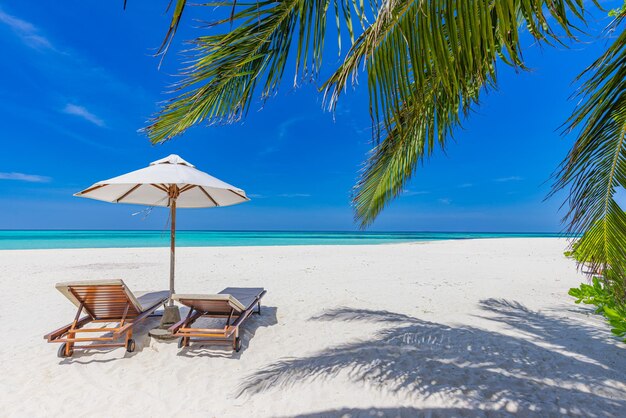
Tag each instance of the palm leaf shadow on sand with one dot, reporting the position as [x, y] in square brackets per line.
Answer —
[540, 372]
[400, 412]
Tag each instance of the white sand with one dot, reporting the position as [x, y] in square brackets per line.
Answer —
[479, 327]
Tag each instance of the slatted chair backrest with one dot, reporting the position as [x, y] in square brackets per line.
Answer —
[102, 300]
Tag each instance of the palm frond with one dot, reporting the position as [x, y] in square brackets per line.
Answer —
[174, 22]
[419, 124]
[427, 63]
[596, 165]
[171, 31]
[220, 83]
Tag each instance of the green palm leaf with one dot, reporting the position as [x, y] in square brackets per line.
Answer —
[596, 165]
[171, 31]
[427, 62]
[220, 83]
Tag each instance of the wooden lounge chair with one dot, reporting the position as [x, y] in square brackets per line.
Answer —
[235, 304]
[104, 301]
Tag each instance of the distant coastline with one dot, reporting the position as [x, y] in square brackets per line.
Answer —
[67, 239]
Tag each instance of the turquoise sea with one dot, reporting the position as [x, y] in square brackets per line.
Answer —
[31, 239]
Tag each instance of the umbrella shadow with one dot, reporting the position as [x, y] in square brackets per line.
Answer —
[85, 355]
[532, 374]
[267, 318]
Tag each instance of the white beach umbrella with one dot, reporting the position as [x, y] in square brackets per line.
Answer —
[170, 182]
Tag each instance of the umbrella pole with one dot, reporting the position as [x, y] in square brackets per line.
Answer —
[172, 248]
[171, 314]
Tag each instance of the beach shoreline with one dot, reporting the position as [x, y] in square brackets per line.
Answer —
[459, 327]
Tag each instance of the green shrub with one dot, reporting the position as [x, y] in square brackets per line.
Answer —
[617, 318]
[594, 294]
[602, 297]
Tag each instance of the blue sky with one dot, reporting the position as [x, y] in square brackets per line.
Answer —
[79, 80]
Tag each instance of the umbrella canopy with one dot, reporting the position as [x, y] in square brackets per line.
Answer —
[164, 180]
[171, 182]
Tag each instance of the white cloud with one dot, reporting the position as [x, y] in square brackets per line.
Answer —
[27, 32]
[511, 178]
[286, 195]
[294, 195]
[285, 126]
[32, 178]
[444, 201]
[70, 71]
[80, 111]
[407, 192]
[268, 151]
[282, 134]
[465, 185]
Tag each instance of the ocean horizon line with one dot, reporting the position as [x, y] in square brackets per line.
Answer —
[354, 231]
[81, 238]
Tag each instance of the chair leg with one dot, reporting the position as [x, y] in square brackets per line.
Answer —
[69, 346]
[236, 340]
[129, 343]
